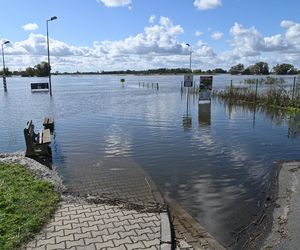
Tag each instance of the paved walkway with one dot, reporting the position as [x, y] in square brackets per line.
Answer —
[119, 208]
[99, 226]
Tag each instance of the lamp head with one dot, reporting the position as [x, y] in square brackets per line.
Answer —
[53, 18]
[188, 44]
[6, 42]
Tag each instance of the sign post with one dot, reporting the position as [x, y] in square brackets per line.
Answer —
[205, 88]
[188, 82]
[122, 80]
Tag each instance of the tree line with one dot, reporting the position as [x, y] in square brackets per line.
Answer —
[260, 68]
[40, 70]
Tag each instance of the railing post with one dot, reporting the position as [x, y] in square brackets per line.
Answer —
[256, 90]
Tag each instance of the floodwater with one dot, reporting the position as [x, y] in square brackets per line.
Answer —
[215, 160]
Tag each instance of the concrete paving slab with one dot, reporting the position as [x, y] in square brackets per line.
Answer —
[286, 216]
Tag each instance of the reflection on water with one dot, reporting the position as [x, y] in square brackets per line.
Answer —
[204, 114]
[187, 122]
[215, 159]
[294, 126]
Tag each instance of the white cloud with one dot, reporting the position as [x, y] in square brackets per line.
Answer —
[201, 43]
[287, 24]
[198, 33]
[248, 42]
[205, 51]
[152, 18]
[159, 45]
[30, 26]
[217, 35]
[207, 4]
[251, 42]
[156, 46]
[115, 3]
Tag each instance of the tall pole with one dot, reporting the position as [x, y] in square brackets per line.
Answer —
[4, 71]
[49, 59]
[190, 49]
[3, 59]
[48, 50]
[190, 60]
[187, 97]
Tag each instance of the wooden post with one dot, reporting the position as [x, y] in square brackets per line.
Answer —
[157, 86]
[152, 84]
[143, 84]
[181, 87]
[231, 88]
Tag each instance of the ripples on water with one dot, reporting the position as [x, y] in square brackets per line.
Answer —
[214, 159]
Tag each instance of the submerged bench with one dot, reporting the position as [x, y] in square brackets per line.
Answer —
[37, 144]
[48, 123]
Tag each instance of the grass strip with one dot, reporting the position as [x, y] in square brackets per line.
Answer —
[26, 204]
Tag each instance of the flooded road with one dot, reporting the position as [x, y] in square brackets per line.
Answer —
[215, 160]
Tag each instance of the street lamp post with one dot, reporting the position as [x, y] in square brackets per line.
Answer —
[50, 86]
[190, 48]
[4, 71]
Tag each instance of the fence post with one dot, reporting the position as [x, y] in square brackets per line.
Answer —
[294, 85]
[256, 84]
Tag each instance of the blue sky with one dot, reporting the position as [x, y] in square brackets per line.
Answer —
[92, 35]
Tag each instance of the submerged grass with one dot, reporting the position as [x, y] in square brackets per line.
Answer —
[277, 97]
[25, 205]
[266, 80]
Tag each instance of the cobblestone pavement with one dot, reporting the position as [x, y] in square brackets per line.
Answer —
[99, 226]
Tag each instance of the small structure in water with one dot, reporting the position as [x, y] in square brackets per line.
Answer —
[39, 86]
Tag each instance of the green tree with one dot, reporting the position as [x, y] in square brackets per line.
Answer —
[42, 69]
[219, 71]
[237, 69]
[285, 69]
[28, 72]
[7, 72]
[247, 71]
[260, 68]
